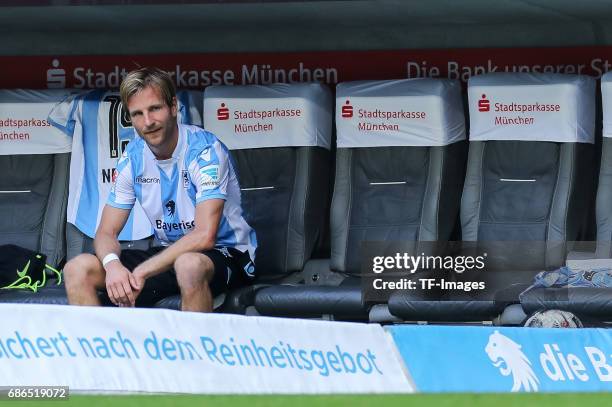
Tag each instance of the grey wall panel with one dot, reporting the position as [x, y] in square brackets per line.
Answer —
[302, 26]
[288, 39]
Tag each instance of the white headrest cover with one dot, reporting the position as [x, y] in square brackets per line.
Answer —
[532, 107]
[24, 128]
[278, 115]
[407, 112]
[606, 96]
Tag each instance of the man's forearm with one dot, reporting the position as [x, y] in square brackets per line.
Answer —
[203, 237]
[191, 242]
[105, 244]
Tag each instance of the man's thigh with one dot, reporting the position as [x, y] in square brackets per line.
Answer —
[228, 273]
[77, 242]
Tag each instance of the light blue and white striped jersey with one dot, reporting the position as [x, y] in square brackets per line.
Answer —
[168, 190]
[101, 129]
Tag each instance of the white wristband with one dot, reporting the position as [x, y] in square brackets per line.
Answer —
[108, 258]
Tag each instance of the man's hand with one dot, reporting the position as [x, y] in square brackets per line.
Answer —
[119, 285]
[137, 281]
[105, 242]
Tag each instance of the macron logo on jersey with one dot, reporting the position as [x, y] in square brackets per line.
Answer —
[147, 180]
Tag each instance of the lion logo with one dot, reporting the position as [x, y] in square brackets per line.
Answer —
[171, 206]
[507, 356]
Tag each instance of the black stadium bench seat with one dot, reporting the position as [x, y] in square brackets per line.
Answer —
[526, 195]
[393, 182]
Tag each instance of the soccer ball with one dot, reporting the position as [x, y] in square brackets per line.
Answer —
[553, 318]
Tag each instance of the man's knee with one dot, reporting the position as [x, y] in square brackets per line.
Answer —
[193, 270]
[81, 270]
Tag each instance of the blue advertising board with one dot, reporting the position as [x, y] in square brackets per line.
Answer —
[496, 359]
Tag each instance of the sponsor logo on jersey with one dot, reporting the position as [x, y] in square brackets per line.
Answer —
[171, 207]
[209, 176]
[185, 177]
[170, 226]
[347, 110]
[146, 180]
[205, 155]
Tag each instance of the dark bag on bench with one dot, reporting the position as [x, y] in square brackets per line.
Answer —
[23, 268]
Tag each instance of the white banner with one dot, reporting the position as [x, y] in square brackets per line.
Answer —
[532, 107]
[118, 350]
[407, 112]
[24, 128]
[278, 115]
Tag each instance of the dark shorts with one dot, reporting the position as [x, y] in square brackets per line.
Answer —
[233, 269]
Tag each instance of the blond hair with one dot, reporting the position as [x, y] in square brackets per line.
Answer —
[137, 80]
